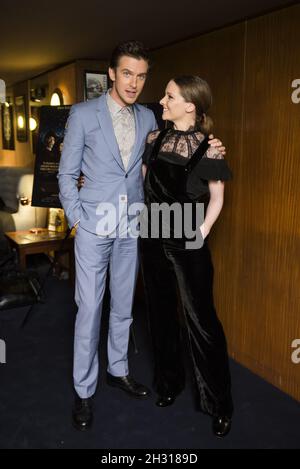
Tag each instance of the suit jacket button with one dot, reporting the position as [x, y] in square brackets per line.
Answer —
[126, 175]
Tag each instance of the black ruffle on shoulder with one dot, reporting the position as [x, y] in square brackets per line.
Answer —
[206, 169]
[212, 169]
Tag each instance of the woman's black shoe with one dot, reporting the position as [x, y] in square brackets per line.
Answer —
[221, 426]
[165, 401]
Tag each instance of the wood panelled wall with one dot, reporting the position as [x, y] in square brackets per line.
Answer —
[256, 242]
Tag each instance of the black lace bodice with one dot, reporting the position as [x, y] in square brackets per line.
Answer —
[179, 169]
[180, 143]
[176, 149]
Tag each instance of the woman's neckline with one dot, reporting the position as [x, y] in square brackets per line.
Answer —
[184, 132]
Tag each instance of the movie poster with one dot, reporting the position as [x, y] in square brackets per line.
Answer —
[49, 147]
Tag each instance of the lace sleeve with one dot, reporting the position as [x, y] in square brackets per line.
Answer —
[150, 140]
[213, 153]
[152, 136]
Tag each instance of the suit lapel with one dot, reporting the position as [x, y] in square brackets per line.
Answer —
[139, 135]
[106, 125]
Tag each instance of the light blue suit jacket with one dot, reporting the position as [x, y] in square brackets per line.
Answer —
[90, 146]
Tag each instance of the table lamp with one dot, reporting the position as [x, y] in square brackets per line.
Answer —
[26, 201]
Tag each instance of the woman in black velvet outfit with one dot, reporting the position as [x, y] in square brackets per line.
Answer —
[180, 167]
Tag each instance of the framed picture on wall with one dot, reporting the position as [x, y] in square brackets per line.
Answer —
[7, 125]
[95, 84]
[21, 118]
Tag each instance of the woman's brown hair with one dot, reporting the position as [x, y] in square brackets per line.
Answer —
[197, 91]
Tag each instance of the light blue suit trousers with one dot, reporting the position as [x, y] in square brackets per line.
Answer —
[90, 146]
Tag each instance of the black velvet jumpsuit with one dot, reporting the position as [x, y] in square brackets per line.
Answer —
[178, 170]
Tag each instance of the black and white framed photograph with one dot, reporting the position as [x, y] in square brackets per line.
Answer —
[7, 124]
[21, 118]
[95, 84]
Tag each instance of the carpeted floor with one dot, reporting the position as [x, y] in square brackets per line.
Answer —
[36, 393]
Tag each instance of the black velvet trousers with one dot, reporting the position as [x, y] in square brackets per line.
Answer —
[172, 273]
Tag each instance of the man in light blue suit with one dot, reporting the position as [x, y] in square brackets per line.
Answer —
[105, 139]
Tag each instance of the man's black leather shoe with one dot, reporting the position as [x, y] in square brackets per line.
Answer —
[165, 401]
[127, 384]
[82, 414]
[221, 426]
